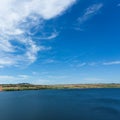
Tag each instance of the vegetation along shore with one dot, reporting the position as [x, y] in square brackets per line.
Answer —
[26, 86]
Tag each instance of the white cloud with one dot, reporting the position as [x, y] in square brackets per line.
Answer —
[90, 11]
[13, 79]
[93, 80]
[112, 63]
[93, 63]
[81, 64]
[17, 20]
[23, 76]
[8, 77]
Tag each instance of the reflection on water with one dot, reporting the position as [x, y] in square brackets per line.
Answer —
[84, 104]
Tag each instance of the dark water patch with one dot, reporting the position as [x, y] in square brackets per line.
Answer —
[109, 100]
[107, 113]
[104, 110]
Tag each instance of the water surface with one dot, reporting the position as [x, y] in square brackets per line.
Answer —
[82, 104]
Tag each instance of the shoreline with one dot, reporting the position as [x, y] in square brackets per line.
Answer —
[25, 86]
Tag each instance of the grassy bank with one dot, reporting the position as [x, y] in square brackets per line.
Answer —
[16, 87]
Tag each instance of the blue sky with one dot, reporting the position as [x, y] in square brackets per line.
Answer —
[60, 42]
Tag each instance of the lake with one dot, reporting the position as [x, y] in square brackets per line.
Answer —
[76, 104]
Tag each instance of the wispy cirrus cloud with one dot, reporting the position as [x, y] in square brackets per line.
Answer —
[20, 20]
[79, 65]
[49, 61]
[89, 12]
[48, 37]
[93, 63]
[112, 63]
[76, 63]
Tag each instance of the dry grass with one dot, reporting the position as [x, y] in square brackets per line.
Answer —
[16, 87]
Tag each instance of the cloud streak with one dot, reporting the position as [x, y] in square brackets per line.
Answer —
[89, 12]
[112, 63]
[19, 22]
[13, 79]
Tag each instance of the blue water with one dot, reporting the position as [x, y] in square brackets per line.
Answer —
[83, 104]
